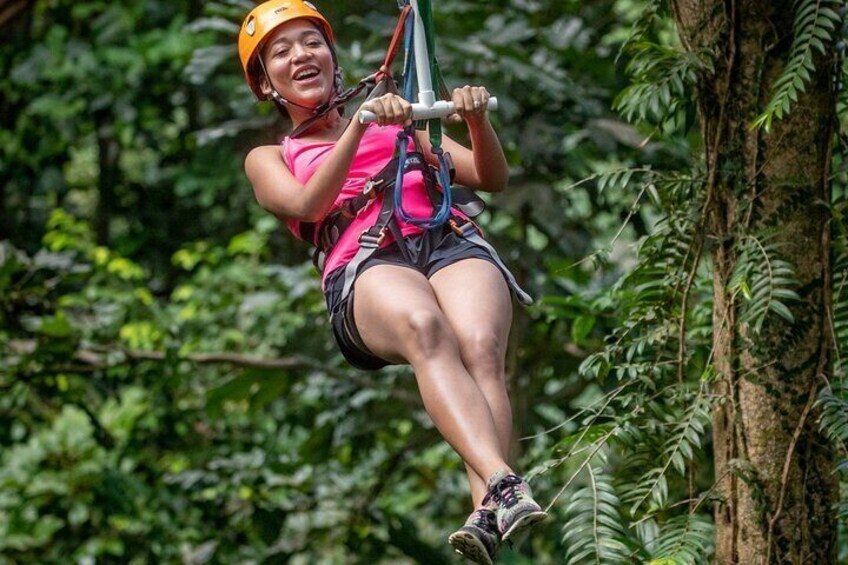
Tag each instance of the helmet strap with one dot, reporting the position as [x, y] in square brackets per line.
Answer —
[338, 81]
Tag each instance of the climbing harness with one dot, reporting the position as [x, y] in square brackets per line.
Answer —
[421, 67]
[415, 30]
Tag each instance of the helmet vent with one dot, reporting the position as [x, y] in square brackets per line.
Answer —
[311, 5]
[250, 26]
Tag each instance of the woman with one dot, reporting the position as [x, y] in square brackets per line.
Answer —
[428, 297]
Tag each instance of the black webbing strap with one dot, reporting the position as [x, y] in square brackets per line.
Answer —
[342, 215]
[468, 230]
[369, 242]
[325, 235]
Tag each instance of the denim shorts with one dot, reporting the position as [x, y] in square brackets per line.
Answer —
[427, 253]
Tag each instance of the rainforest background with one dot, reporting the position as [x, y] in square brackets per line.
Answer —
[169, 388]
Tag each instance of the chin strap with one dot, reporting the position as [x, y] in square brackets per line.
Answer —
[337, 100]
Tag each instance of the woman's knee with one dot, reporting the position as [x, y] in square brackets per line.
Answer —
[427, 332]
[483, 353]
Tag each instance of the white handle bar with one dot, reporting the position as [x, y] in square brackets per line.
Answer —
[439, 109]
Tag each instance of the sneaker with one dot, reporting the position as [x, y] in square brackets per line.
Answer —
[479, 538]
[517, 510]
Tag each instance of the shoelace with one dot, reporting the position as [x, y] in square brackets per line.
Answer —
[505, 492]
[482, 519]
[509, 490]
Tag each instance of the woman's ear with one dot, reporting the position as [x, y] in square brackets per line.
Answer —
[265, 87]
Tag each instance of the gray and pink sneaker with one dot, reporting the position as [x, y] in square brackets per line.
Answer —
[478, 540]
[516, 509]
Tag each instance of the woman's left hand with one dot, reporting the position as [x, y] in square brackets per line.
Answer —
[470, 104]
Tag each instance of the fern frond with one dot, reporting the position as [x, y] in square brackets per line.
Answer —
[833, 404]
[816, 21]
[660, 74]
[614, 179]
[641, 27]
[679, 448]
[654, 487]
[840, 295]
[684, 540]
[764, 280]
[833, 401]
[594, 531]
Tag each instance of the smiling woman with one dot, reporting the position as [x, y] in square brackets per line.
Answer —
[431, 294]
[299, 60]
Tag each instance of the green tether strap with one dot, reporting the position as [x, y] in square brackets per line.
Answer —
[435, 75]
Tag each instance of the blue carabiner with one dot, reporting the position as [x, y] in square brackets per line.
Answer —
[443, 214]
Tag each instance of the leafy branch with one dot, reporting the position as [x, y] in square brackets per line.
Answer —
[814, 27]
[658, 90]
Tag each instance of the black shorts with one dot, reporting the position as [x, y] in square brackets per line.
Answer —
[427, 253]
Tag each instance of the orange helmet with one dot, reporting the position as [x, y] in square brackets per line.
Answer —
[263, 20]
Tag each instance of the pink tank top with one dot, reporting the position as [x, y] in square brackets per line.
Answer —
[375, 151]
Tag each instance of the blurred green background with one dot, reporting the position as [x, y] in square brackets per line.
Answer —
[169, 388]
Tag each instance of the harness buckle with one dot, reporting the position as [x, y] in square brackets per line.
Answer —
[463, 229]
[372, 187]
[367, 239]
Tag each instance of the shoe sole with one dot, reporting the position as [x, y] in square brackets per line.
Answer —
[470, 547]
[523, 524]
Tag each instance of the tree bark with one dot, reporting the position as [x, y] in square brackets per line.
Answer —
[774, 469]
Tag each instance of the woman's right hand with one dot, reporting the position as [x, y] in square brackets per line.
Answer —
[390, 109]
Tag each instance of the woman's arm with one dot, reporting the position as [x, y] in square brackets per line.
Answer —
[279, 192]
[484, 166]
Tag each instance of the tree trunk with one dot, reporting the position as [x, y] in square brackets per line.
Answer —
[108, 152]
[774, 470]
[16, 27]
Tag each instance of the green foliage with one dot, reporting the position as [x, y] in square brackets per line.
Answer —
[833, 400]
[143, 451]
[169, 390]
[661, 72]
[834, 406]
[684, 541]
[763, 280]
[661, 77]
[656, 363]
[840, 287]
[815, 28]
[594, 530]
[678, 450]
[659, 352]
[97, 118]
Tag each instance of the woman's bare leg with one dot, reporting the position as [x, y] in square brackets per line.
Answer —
[399, 318]
[476, 301]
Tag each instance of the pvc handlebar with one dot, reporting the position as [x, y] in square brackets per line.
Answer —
[439, 109]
